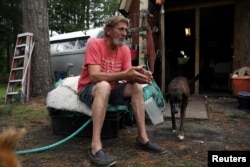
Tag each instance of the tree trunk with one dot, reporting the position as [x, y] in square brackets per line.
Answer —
[35, 20]
[242, 33]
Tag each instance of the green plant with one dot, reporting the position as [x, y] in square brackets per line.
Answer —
[3, 88]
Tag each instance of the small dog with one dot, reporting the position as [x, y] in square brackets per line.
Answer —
[8, 140]
[178, 93]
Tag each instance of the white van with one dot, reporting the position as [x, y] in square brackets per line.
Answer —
[68, 50]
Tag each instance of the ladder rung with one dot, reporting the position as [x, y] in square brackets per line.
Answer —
[12, 93]
[18, 68]
[15, 80]
[19, 57]
[25, 34]
[21, 45]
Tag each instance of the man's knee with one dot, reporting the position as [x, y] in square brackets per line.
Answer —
[135, 87]
[102, 87]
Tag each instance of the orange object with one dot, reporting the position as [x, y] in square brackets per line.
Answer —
[240, 84]
[159, 2]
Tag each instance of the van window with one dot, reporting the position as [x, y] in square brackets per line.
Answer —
[66, 46]
[69, 45]
[81, 43]
[53, 47]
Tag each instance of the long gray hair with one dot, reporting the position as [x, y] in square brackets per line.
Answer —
[111, 22]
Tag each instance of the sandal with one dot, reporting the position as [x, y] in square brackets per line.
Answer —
[151, 147]
[101, 159]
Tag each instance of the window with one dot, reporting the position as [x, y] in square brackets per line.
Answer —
[66, 46]
[81, 43]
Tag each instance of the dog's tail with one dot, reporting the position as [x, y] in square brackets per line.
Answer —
[193, 80]
[9, 138]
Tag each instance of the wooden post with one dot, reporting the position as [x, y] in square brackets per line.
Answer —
[162, 48]
[197, 47]
[143, 31]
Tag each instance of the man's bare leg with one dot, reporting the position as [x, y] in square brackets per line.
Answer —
[135, 91]
[137, 101]
[101, 92]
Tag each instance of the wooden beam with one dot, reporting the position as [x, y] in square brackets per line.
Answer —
[143, 22]
[197, 48]
[162, 48]
[199, 5]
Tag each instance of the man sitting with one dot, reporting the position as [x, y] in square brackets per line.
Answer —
[108, 62]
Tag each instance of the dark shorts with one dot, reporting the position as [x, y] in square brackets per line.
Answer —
[116, 96]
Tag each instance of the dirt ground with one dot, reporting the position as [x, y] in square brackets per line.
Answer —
[226, 129]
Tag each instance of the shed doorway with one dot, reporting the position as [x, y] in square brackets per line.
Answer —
[216, 47]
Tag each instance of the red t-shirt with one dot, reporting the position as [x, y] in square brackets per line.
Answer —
[97, 52]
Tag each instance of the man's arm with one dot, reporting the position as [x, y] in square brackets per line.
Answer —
[97, 75]
[135, 74]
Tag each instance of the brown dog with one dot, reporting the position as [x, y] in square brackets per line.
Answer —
[8, 140]
[177, 95]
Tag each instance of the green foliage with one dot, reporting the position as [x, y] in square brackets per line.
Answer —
[101, 10]
[3, 88]
[10, 19]
[3, 57]
[10, 26]
[68, 16]
[64, 16]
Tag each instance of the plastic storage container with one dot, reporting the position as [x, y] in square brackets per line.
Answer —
[244, 101]
[240, 84]
[67, 122]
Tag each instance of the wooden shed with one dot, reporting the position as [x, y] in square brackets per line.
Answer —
[206, 37]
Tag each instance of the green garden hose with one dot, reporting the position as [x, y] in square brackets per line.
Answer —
[57, 143]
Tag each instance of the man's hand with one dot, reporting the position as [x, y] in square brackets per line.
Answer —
[141, 69]
[139, 74]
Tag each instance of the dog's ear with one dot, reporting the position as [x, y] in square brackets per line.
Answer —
[8, 140]
[9, 137]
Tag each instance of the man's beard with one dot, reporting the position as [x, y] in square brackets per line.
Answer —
[118, 42]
